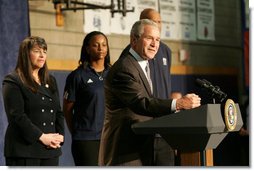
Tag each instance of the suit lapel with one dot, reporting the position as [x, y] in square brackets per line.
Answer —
[141, 74]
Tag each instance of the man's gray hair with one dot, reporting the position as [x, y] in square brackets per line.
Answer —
[138, 27]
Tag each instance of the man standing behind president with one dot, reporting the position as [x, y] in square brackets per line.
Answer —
[129, 100]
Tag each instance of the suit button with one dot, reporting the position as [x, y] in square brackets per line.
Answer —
[52, 123]
[42, 110]
[42, 98]
[44, 124]
[51, 110]
[50, 99]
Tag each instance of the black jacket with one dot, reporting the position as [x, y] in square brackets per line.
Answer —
[29, 115]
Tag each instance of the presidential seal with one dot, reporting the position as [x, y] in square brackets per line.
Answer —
[230, 115]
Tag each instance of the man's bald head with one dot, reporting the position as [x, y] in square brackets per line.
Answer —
[151, 14]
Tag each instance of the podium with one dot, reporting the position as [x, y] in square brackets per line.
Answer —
[193, 133]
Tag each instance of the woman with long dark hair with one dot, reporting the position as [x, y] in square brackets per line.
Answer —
[35, 129]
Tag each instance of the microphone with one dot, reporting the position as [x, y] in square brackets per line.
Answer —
[215, 90]
[203, 83]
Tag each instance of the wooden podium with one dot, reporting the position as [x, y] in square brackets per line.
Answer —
[193, 133]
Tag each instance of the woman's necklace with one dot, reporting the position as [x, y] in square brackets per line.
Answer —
[100, 75]
[99, 72]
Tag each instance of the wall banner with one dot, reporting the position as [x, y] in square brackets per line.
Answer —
[205, 19]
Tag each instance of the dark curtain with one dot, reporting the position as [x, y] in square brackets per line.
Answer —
[14, 27]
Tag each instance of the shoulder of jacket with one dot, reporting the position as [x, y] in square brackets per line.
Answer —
[164, 45]
[12, 77]
[127, 62]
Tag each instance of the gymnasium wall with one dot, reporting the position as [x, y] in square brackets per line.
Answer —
[222, 57]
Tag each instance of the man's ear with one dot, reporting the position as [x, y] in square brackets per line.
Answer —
[134, 40]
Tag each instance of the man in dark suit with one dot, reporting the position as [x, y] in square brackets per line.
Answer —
[160, 65]
[129, 100]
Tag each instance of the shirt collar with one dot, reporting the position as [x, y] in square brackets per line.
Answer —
[135, 55]
[142, 62]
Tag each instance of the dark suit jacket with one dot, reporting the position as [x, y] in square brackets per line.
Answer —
[160, 70]
[29, 115]
[128, 100]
